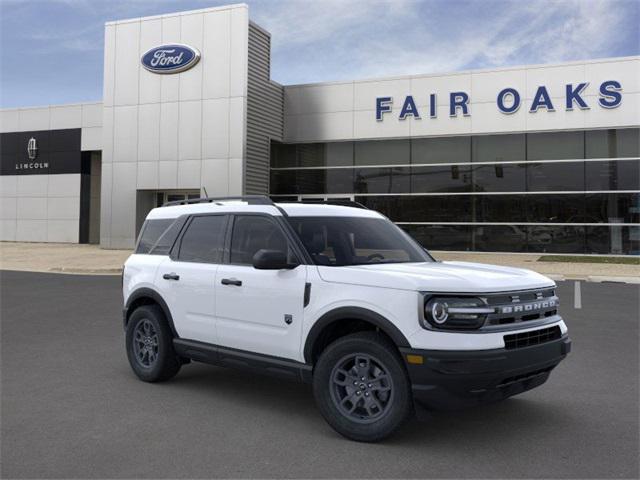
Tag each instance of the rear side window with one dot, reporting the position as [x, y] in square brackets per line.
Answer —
[151, 233]
[203, 241]
[167, 239]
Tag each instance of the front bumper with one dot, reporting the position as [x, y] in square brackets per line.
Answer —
[448, 380]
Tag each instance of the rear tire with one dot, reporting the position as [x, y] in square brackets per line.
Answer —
[149, 344]
[361, 387]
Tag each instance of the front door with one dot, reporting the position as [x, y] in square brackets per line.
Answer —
[259, 310]
[188, 280]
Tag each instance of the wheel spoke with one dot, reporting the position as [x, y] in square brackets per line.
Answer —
[361, 387]
[362, 365]
[354, 403]
[343, 378]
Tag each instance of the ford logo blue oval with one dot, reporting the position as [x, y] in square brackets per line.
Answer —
[171, 58]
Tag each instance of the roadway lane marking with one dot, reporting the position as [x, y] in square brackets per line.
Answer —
[577, 298]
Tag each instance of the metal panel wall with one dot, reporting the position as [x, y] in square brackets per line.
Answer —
[265, 112]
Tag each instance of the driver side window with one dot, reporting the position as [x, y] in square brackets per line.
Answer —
[252, 233]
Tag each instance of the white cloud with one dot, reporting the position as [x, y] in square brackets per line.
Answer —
[325, 40]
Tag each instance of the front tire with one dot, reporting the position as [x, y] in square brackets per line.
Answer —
[362, 388]
[149, 344]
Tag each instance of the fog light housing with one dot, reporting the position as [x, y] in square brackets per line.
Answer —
[456, 313]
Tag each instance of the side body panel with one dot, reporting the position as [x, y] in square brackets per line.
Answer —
[139, 272]
[191, 298]
[265, 313]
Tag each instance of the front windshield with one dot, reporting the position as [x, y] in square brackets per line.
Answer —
[344, 241]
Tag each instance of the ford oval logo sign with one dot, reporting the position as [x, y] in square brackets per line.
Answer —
[173, 58]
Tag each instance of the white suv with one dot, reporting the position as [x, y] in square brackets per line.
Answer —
[337, 296]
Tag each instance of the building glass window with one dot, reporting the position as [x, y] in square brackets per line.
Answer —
[382, 180]
[441, 179]
[499, 148]
[421, 208]
[560, 176]
[382, 152]
[613, 175]
[499, 178]
[555, 145]
[616, 240]
[283, 182]
[555, 238]
[310, 155]
[339, 154]
[283, 155]
[500, 238]
[440, 150]
[514, 177]
[568, 208]
[441, 237]
[499, 208]
[613, 207]
[613, 143]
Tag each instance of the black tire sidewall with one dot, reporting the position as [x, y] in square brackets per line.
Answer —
[378, 347]
[167, 363]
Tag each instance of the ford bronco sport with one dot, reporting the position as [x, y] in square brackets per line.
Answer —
[337, 296]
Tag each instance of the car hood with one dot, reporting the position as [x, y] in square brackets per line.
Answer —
[458, 277]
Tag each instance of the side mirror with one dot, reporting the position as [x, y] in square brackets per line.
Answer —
[272, 260]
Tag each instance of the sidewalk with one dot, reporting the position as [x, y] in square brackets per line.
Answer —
[91, 259]
[61, 257]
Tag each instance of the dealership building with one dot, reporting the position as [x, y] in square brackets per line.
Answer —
[541, 158]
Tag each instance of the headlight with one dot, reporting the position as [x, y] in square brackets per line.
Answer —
[455, 313]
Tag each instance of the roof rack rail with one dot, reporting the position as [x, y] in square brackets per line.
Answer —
[250, 199]
[343, 203]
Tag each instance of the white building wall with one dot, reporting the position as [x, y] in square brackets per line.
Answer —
[346, 110]
[40, 208]
[87, 116]
[46, 208]
[173, 131]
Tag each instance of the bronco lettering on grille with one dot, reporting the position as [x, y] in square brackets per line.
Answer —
[528, 307]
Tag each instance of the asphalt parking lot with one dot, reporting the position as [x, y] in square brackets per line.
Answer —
[72, 408]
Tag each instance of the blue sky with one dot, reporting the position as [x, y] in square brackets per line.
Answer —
[51, 50]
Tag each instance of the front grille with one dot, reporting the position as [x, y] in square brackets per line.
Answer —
[534, 337]
[519, 307]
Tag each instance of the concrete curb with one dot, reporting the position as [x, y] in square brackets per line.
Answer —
[593, 278]
[67, 270]
[599, 279]
[87, 271]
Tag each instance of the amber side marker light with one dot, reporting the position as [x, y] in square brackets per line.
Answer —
[415, 359]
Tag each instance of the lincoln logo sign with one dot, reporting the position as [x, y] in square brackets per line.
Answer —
[172, 58]
[32, 149]
[508, 101]
[32, 154]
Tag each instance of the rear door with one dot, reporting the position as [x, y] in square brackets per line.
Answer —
[187, 277]
[259, 310]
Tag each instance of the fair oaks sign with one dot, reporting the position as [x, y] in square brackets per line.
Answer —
[508, 100]
[173, 58]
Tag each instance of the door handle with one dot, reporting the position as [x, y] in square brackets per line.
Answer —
[171, 276]
[231, 281]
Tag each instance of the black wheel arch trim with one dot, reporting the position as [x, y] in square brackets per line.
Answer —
[144, 292]
[352, 313]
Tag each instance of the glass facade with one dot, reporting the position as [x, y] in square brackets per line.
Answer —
[564, 192]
